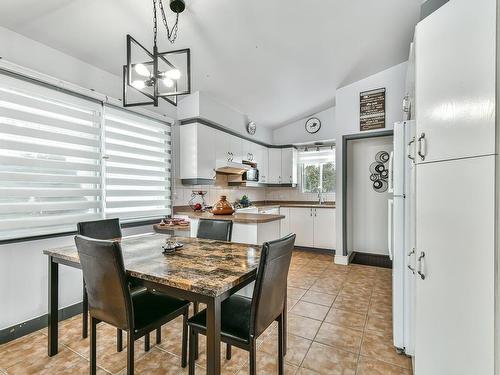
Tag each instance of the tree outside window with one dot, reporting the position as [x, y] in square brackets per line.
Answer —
[318, 172]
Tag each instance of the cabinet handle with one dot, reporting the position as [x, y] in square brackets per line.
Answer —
[311, 212]
[420, 153]
[315, 212]
[411, 269]
[409, 149]
[420, 273]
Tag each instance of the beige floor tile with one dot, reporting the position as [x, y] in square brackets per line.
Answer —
[32, 346]
[305, 371]
[358, 305]
[319, 298]
[303, 327]
[295, 293]
[328, 360]
[380, 325]
[340, 337]
[310, 310]
[369, 366]
[268, 364]
[379, 345]
[297, 348]
[346, 318]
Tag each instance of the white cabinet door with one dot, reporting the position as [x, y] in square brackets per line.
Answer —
[197, 155]
[222, 148]
[274, 166]
[324, 228]
[262, 160]
[302, 224]
[247, 150]
[285, 223]
[455, 80]
[236, 148]
[288, 166]
[455, 308]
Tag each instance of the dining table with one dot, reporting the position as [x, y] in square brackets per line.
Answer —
[204, 271]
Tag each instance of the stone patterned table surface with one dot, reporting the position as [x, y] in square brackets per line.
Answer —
[202, 266]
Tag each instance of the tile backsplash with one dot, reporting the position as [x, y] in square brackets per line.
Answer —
[182, 193]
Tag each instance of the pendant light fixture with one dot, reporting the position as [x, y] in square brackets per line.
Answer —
[148, 76]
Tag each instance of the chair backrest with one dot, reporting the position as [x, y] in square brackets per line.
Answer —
[270, 286]
[101, 229]
[220, 230]
[106, 281]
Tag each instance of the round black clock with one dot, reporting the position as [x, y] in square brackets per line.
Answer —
[251, 127]
[313, 125]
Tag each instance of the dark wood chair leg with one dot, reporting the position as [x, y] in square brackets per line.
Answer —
[191, 351]
[93, 345]
[281, 343]
[158, 336]
[228, 352]
[147, 345]
[185, 317]
[119, 340]
[253, 357]
[130, 353]
[85, 312]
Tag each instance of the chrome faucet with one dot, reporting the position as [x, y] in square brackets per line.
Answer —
[320, 196]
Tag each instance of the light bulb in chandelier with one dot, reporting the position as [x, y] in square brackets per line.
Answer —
[174, 74]
[142, 70]
[138, 84]
[168, 82]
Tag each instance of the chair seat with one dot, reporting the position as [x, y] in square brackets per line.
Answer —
[235, 318]
[151, 307]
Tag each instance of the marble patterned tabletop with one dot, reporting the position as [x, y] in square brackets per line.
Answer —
[202, 266]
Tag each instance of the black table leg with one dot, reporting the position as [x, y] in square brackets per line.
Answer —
[53, 307]
[213, 336]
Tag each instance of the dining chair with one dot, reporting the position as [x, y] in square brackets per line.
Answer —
[244, 319]
[218, 230]
[111, 301]
[107, 229]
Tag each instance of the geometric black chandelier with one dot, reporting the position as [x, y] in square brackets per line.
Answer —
[149, 76]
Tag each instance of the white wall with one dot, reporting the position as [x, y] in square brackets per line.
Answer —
[295, 132]
[31, 54]
[200, 104]
[367, 209]
[347, 118]
[23, 278]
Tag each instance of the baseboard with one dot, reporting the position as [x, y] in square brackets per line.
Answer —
[342, 260]
[33, 325]
[315, 250]
[377, 260]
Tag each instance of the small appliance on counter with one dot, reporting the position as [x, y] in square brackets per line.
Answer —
[222, 207]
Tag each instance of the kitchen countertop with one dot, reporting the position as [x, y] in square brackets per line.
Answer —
[236, 218]
[298, 204]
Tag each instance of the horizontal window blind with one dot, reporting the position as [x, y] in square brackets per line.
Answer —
[50, 156]
[137, 166]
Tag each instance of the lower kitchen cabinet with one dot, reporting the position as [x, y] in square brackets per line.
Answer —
[314, 227]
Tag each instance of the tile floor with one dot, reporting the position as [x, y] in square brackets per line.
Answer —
[339, 322]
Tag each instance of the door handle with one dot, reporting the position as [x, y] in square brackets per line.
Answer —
[409, 149]
[412, 269]
[420, 273]
[420, 153]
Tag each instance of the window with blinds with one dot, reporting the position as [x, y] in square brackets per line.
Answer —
[65, 159]
[137, 166]
[50, 173]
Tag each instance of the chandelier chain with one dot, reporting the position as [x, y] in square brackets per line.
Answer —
[171, 33]
[155, 24]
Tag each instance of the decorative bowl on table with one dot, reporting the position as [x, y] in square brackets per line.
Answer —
[222, 207]
[171, 245]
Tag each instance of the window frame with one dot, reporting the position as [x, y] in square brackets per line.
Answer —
[320, 165]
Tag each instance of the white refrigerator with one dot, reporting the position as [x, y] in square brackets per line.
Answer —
[401, 235]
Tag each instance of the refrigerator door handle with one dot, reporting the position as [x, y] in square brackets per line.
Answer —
[390, 205]
[390, 181]
[420, 152]
[409, 149]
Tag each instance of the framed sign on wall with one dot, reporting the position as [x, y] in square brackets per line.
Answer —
[372, 109]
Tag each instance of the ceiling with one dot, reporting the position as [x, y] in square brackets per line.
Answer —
[275, 61]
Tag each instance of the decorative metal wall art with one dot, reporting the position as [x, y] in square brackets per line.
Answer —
[379, 172]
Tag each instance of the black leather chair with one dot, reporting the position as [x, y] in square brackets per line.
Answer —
[111, 301]
[219, 230]
[244, 319]
[107, 229]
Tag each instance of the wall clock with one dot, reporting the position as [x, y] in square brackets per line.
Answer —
[313, 125]
[251, 127]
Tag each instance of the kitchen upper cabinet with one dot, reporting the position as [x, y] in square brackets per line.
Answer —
[274, 166]
[262, 160]
[302, 224]
[222, 145]
[324, 228]
[455, 81]
[236, 149]
[197, 154]
[288, 165]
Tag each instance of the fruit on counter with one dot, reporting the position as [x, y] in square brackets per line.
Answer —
[198, 207]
